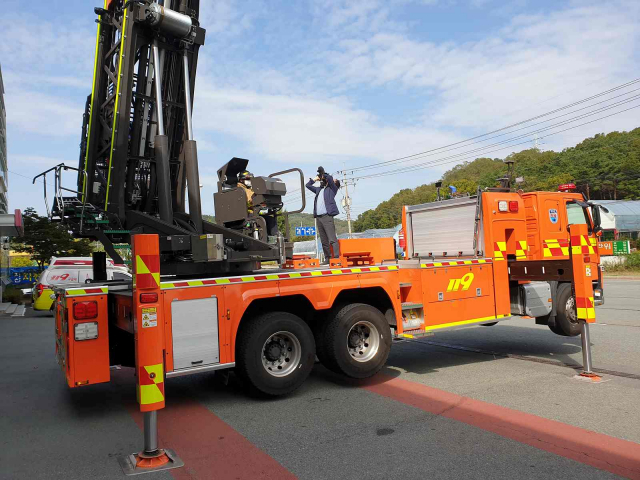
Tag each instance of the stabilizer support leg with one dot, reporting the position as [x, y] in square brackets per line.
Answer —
[586, 353]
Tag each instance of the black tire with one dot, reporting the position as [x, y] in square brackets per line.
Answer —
[252, 348]
[338, 335]
[319, 329]
[318, 335]
[556, 329]
[566, 319]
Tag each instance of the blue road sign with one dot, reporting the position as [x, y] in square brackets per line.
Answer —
[305, 231]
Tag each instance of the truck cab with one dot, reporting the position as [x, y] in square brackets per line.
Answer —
[548, 216]
[528, 238]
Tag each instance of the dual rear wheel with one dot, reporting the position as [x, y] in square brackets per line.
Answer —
[276, 351]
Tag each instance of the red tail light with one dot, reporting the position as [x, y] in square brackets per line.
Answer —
[85, 310]
[148, 297]
[513, 206]
[40, 288]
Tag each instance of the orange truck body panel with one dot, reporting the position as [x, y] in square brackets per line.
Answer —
[148, 319]
[85, 362]
[455, 294]
[581, 253]
[374, 250]
[235, 296]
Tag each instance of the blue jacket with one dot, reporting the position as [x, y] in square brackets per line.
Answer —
[329, 196]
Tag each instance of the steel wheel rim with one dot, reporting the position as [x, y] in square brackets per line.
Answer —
[363, 341]
[281, 354]
[571, 310]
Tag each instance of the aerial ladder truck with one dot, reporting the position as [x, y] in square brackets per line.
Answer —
[200, 301]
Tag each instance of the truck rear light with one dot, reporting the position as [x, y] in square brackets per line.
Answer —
[85, 331]
[148, 297]
[40, 288]
[513, 206]
[85, 310]
[503, 206]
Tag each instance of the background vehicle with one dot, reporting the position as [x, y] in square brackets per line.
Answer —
[69, 270]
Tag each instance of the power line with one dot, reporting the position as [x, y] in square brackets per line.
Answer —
[445, 160]
[395, 160]
[528, 134]
[601, 109]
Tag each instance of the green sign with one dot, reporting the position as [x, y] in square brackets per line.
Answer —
[621, 247]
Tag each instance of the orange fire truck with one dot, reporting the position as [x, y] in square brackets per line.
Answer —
[202, 298]
[506, 256]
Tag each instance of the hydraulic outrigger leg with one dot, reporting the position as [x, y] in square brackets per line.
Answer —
[583, 291]
[147, 309]
[586, 351]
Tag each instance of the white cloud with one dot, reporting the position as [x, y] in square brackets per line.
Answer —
[45, 115]
[33, 45]
[476, 84]
[228, 18]
[305, 129]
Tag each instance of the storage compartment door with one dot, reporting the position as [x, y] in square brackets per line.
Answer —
[194, 325]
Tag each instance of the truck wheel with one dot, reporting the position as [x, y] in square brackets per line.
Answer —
[556, 329]
[319, 328]
[566, 318]
[275, 353]
[357, 341]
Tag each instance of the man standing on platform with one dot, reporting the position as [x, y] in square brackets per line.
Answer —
[324, 209]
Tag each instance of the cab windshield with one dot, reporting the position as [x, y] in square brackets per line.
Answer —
[576, 215]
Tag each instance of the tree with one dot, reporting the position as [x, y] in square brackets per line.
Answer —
[22, 261]
[604, 167]
[43, 239]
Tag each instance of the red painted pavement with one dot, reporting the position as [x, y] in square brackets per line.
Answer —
[210, 448]
[601, 451]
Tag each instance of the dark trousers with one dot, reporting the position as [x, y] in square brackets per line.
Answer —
[327, 232]
[272, 225]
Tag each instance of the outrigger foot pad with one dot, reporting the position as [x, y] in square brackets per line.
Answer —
[138, 463]
[591, 376]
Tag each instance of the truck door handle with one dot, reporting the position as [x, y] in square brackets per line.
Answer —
[197, 362]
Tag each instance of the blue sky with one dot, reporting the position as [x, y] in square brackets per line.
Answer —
[331, 82]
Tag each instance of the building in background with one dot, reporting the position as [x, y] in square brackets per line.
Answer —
[4, 183]
[10, 223]
[620, 219]
[4, 189]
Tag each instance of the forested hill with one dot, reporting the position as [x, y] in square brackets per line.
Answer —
[603, 167]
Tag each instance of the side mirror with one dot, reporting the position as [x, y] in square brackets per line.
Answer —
[595, 213]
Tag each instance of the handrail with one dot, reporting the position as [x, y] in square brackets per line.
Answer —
[304, 200]
[57, 185]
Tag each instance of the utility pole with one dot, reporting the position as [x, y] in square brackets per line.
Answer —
[346, 201]
[536, 142]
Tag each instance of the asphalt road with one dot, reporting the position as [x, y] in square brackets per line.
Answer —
[454, 405]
